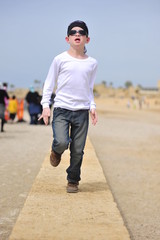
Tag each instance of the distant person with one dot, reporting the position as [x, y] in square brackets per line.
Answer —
[128, 104]
[5, 86]
[12, 108]
[140, 101]
[3, 97]
[74, 72]
[34, 107]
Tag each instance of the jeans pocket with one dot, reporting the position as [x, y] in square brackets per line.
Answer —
[56, 112]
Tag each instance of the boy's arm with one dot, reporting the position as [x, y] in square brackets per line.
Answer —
[49, 84]
[93, 112]
[48, 90]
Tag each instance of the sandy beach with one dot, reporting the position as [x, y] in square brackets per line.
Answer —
[127, 143]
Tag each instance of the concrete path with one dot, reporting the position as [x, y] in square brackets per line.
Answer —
[50, 213]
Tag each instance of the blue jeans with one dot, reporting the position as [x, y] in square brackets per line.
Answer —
[70, 128]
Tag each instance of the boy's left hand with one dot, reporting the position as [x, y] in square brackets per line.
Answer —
[94, 116]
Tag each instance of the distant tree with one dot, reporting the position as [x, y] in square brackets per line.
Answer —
[139, 86]
[111, 84]
[104, 83]
[128, 84]
[12, 86]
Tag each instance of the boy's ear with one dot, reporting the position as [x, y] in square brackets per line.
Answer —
[88, 40]
[67, 39]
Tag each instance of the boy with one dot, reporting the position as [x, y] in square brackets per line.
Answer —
[75, 74]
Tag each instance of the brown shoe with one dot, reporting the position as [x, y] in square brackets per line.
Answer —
[55, 158]
[72, 187]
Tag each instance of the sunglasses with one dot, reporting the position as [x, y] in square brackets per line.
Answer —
[80, 32]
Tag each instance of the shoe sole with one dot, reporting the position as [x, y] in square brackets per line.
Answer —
[72, 190]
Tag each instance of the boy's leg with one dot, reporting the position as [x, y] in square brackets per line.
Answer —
[60, 127]
[79, 129]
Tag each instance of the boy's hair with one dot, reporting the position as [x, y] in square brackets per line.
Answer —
[80, 24]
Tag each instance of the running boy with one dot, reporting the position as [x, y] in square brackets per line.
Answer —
[75, 74]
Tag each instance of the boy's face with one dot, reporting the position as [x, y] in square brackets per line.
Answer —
[77, 37]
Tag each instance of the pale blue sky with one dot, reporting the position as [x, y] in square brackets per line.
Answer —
[125, 38]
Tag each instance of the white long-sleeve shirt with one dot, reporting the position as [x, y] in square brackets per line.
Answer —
[75, 80]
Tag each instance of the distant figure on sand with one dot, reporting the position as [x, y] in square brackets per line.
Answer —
[3, 97]
[12, 107]
[74, 72]
[34, 107]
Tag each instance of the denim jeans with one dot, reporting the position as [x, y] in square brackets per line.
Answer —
[70, 130]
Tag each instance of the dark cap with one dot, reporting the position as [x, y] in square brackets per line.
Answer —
[80, 24]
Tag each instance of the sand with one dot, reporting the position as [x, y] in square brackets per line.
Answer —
[51, 213]
[22, 151]
[127, 143]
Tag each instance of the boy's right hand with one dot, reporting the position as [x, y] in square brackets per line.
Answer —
[94, 116]
[45, 115]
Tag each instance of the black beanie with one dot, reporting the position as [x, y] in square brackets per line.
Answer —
[80, 24]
